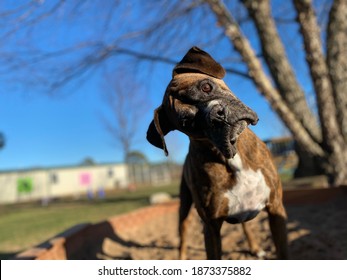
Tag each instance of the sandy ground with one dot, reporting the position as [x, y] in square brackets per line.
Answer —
[315, 231]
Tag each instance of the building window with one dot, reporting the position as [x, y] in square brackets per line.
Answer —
[110, 173]
[54, 178]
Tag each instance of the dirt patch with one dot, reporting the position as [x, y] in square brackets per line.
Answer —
[316, 230]
[314, 233]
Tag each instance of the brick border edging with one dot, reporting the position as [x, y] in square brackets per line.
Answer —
[75, 238]
[135, 219]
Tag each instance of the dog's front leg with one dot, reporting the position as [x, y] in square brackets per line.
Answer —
[212, 237]
[185, 205]
[252, 242]
[278, 227]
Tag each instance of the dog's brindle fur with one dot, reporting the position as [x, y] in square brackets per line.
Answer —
[228, 173]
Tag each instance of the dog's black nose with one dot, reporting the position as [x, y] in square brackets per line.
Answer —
[218, 113]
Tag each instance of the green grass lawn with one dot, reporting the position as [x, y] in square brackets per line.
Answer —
[26, 225]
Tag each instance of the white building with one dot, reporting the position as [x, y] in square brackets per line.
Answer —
[44, 184]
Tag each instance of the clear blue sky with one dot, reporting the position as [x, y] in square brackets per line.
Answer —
[44, 130]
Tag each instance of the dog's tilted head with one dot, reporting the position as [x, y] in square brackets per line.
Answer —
[198, 103]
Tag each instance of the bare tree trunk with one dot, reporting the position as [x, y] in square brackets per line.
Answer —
[333, 141]
[279, 66]
[125, 111]
[308, 164]
[337, 59]
[242, 45]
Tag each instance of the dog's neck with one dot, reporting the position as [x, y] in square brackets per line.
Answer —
[206, 151]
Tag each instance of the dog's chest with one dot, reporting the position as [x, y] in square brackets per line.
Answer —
[249, 194]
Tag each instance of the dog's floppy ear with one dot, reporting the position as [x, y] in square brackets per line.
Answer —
[199, 61]
[158, 128]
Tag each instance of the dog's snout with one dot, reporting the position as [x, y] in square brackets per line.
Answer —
[251, 118]
[230, 112]
[245, 113]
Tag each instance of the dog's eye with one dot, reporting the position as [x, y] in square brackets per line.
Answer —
[206, 87]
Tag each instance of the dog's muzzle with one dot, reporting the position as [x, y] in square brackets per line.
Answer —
[230, 112]
[225, 120]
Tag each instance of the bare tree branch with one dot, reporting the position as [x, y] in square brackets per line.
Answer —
[337, 59]
[127, 106]
[21, 8]
[97, 54]
[28, 18]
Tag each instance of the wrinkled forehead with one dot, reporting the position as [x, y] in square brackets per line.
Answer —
[185, 80]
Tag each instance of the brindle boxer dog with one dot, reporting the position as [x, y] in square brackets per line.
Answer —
[228, 172]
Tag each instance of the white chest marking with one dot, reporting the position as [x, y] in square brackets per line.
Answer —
[249, 194]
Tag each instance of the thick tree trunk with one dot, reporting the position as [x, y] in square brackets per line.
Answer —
[333, 142]
[279, 66]
[308, 165]
[337, 59]
[261, 80]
